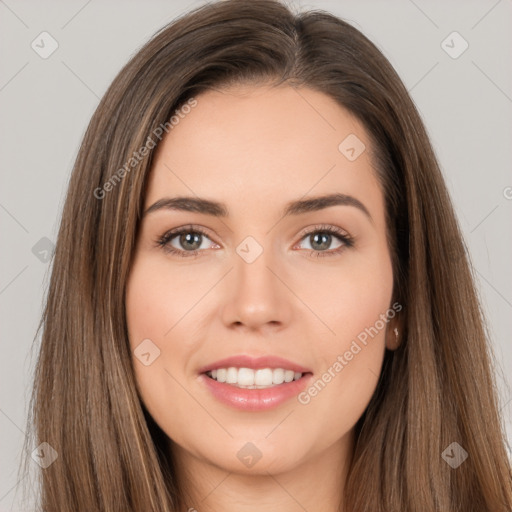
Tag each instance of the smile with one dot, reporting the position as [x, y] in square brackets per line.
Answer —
[251, 383]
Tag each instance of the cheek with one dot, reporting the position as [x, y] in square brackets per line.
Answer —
[162, 304]
[364, 297]
[356, 310]
[157, 300]
[354, 299]
[155, 304]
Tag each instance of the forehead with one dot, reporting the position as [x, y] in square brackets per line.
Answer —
[245, 145]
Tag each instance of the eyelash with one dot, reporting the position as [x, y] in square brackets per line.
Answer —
[347, 240]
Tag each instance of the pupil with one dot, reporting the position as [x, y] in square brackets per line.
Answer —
[325, 240]
[191, 240]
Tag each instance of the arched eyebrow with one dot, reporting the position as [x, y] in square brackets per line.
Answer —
[217, 209]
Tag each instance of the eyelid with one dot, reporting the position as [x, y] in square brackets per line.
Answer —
[187, 229]
[324, 227]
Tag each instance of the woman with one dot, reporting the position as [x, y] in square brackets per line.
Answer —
[251, 303]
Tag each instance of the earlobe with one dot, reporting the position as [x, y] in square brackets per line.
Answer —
[393, 335]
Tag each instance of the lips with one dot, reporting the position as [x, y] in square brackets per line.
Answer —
[226, 380]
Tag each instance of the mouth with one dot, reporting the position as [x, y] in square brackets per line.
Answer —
[254, 384]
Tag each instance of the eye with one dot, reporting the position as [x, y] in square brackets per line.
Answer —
[191, 240]
[185, 242]
[321, 238]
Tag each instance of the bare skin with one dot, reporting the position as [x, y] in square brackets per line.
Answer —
[255, 149]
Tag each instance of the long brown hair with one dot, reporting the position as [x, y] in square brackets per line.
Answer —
[436, 389]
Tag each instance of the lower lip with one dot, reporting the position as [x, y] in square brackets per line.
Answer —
[255, 399]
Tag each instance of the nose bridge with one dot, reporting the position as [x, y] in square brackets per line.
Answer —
[258, 297]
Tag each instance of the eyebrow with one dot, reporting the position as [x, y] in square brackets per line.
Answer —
[216, 209]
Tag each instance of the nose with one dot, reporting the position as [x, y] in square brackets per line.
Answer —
[257, 297]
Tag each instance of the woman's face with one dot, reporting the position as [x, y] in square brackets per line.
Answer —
[268, 287]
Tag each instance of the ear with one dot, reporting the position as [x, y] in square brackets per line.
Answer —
[394, 333]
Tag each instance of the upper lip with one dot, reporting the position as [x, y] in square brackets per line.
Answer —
[246, 361]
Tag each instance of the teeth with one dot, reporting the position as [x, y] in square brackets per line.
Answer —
[231, 376]
[278, 376]
[243, 376]
[263, 377]
[254, 379]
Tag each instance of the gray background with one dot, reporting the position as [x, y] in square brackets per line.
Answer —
[46, 104]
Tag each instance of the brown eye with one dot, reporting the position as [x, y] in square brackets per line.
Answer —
[190, 241]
